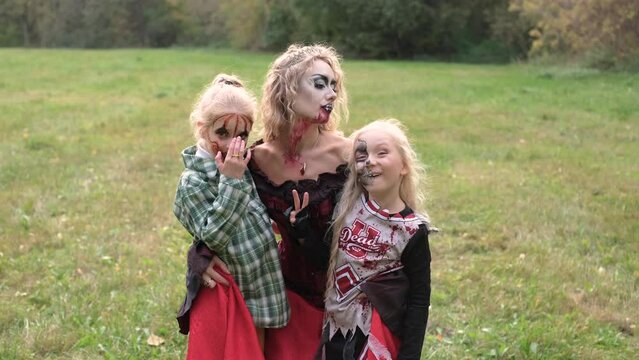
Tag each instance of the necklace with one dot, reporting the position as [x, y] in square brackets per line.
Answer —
[303, 163]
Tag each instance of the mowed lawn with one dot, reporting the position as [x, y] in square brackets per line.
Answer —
[533, 180]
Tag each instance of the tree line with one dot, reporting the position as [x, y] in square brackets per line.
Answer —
[466, 30]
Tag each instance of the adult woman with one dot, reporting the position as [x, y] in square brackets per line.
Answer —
[301, 153]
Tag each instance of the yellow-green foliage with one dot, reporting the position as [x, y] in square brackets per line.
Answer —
[583, 26]
[245, 21]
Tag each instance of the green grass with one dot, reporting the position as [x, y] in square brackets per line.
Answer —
[533, 179]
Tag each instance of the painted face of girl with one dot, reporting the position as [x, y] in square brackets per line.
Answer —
[316, 93]
[362, 162]
[226, 128]
[379, 164]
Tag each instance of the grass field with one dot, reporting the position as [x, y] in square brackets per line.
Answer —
[533, 179]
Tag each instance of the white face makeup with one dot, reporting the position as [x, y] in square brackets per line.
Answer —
[316, 93]
[379, 164]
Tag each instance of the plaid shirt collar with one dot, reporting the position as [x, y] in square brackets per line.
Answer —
[198, 159]
[201, 152]
[195, 159]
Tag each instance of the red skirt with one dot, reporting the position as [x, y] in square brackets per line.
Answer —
[300, 339]
[221, 325]
[381, 343]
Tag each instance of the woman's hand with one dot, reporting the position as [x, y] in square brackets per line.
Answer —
[234, 164]
[210, 277]
[297, 207]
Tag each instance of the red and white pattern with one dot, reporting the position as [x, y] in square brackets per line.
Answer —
[345, 280]
[370, 244]
[359, 239]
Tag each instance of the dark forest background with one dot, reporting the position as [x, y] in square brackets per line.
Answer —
[602, 33]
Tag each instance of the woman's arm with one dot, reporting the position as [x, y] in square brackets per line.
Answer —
[202, 261]
[312, 242]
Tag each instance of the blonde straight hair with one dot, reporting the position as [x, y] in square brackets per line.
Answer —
[281, 85]
[410, 189]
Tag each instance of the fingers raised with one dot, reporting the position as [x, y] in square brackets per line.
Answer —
[296, 200]
[242, 145]
[305, 201]
[231, 150]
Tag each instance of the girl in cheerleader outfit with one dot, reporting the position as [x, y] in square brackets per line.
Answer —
[378, 290]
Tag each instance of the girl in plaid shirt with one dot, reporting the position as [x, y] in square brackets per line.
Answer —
[217, 203]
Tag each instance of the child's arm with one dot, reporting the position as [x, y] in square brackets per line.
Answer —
[209, 217]
[213, 218]
[416, 260]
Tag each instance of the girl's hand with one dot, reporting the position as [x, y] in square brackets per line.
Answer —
[211, 277]
[297, 206]
[234, 164]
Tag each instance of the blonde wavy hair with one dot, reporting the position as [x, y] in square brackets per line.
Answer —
[281, 85]
[225, 95]
[410, 189]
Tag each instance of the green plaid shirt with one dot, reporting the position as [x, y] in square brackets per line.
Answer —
[226, 214]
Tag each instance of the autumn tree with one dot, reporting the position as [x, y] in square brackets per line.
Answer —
[609, 28]
[244, 21]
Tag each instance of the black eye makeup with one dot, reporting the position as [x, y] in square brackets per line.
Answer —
[361, 152]
[221, 132]
[321, 81]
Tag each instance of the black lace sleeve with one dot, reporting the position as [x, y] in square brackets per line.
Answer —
[314, 244]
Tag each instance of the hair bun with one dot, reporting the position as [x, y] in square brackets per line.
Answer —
[224, 79]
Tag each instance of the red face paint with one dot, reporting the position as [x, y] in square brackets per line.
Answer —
[290, 157]
[215, 147]
[219, 141]
[323, 116]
